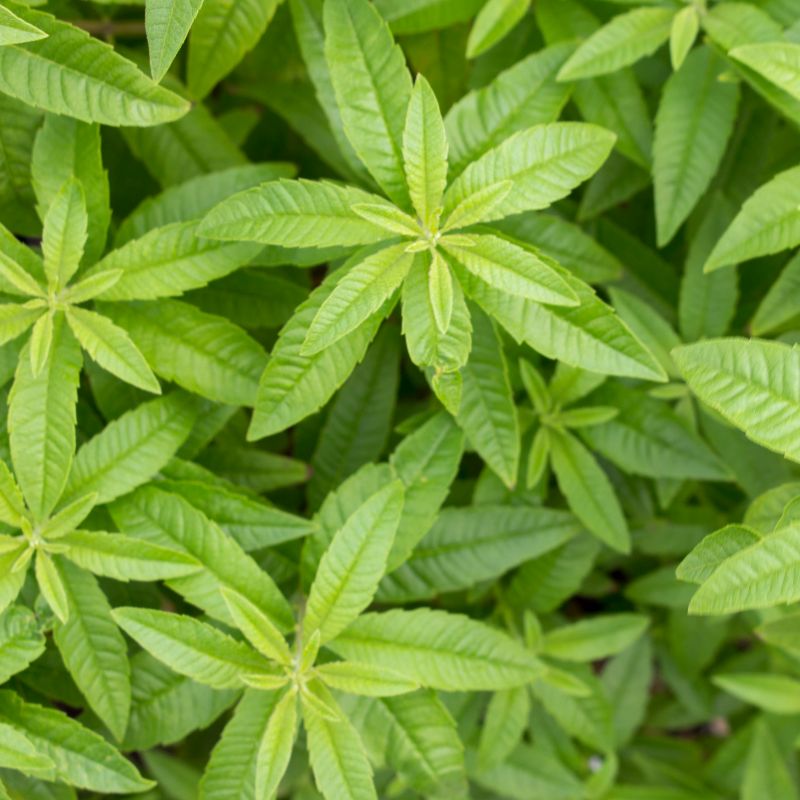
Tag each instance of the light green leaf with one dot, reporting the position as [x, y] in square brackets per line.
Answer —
[191, 647]
[588, 490]
[64, 237]
[358, 293]
[131, 449]
[224, 31]
[41, 342]
[373, 89]
[685, 27]
[11, 579]
[777, 694]
[15, 319]
[592, 639]
[16, 750]
[91, 286]
[41, 421]
[493, 22]
[82, 758]
[276, 745]
[21, 641]
[12, 506]
[440, 650]
[388, 217]
[364, 679]
[765, 770]
[440, 292]
[112, 348]
[781, 304]
[14, 30]
[93, 649]
[694, 122]
[297, 213]
[75, 74]
[752, 384]
[203, 353]
[507, 717]
[123, 558]
[257, 627]
[487, 413]
[16, 272]
[50, 577]
[512, 270]
[340, 765]
[620, 42]
[769, 221]
[418, 16]
[778, 62]
[425, 152]
[352, 566]
[167, 24]
[545, 162]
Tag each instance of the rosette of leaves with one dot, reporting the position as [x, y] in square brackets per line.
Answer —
[428, 239]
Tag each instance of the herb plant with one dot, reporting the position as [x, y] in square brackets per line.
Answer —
[387, 414]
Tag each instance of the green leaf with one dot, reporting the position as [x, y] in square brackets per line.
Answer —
[545, 162]
[131, 449]
[82, 758]
[12, 506]
[778, 62]
[224, 31]
[493, 22]
[437, 649]
[373, 89]
[14, 30]
[93, 649]
[768, 222]
[50, 577]
[200, 352]
[41, 421]
[487, 413]
[752, 384]
[694, 122]
[524, 95]
[388, 217]
[41, 342]
[765, 770]
[620, 42]
[257, 627]
[777, 694]
[507, 717]
[781, 304]
[167, 24]
[425, 152]
[21, 641]
[15, 319]
[440, 292]
[276, 745]
[359, 291]
[415, 16]
[123, 558]
[169, 521]
[111, 348]
[588, 490]
[17, 752]
[352, 566]
[72, 73]
[11, 579]
[512, 270]
[297, 213]
[466, 546]
[340, 765]
[685, 27]
[364, 679]
[191, 647]
[64, 236]
[595, 638]
[759, 575]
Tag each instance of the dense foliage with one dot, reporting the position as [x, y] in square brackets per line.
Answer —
[382, 413]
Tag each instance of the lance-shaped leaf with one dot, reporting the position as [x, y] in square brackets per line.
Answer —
[64, 235]
[112, 348]
[276, 745]
[769, 221]
[169, 521]
[496, 19]
[21, 641]
[713, 550]
[588, 490]
[358, 293]
[123, 558]
[353, 564]
[512, 270]
[12, 572]
[50, 578]
[14, 30]
[17, 752]
[685, 27]
[507, 717]
[224, 31]
[545, 162]
[131, 449]
[15, 319]
[440, 650]
[694, 122]
[167, 24]
[41, 421]
[750, 382]
[595, 638]
[620, 42]
[763, 574]
[12, 506]
[204, 353]
[778, 62]
[340, 765]
[82, 758]
[193, 648]
[425, 152]
[75, 74]
[373, 87]
[93, 649]
[364, 679]
[257, 627]
[41, 342]
[295, 214]
[777, 694]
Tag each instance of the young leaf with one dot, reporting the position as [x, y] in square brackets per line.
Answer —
[276, 745]
[440, 292]
[14, 30]
[507, 717]
[778, 62]
[257, 627]
[64, 236]
[595, 638]
[71, 73]
[493, 22]
[167, 24]
[21, 641]
[777, 694]
[685, 27]
[353, 564]
[17, 752]
[12, 506]
[364, 679]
